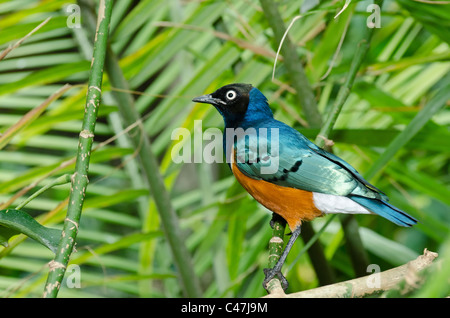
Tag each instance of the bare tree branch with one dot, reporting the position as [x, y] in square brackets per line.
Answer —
[362, 286]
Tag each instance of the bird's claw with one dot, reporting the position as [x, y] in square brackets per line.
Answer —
[272, 223]
[275, 218]
[271, 273]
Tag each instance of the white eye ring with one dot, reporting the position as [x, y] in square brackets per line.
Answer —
[231, 95]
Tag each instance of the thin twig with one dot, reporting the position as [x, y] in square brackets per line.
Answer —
[344, 92]
[31, 115]
[259, 50]
[296, 73]
[338, 49]
[18, 43]
[58, 181]
[281, 44]
[433, 2]
[80, 177]
[347, 2]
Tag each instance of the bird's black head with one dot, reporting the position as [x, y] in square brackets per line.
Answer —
[230, 100]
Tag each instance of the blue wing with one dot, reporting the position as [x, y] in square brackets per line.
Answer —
[285, 157]
[292, 160]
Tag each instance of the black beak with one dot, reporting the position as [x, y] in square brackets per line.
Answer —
[208, 99]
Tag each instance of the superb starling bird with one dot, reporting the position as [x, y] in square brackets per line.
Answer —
[290, 175]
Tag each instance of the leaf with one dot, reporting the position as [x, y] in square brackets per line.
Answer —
[389, 250]
[121, 243]
[51, 74]
[434, 17]
[308, 5]
[13, 222]
[30, 116]
[391, 66]
[17, 31]
[375, 95]
[9, 49]
[347, 2]
[435, 138]
[323, 57]
[5, 234]
[170, 54]
[437, 103]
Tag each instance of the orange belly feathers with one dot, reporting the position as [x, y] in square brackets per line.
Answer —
[293, 205]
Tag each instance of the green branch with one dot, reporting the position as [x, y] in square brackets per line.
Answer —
[80, 177]
[276, 245]
[344, 92]
[152, 174]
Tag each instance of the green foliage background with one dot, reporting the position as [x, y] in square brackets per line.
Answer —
[171, 51]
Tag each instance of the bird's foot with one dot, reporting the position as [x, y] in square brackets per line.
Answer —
[271, 273]
[275, 218]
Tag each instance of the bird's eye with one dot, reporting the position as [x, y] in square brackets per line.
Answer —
[231, 95]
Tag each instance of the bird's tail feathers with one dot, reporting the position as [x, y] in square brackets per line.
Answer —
[385, 210]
